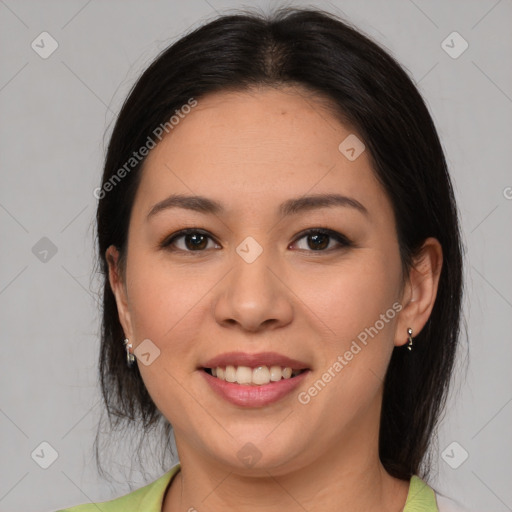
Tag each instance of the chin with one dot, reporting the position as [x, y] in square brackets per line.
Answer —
[261, 454]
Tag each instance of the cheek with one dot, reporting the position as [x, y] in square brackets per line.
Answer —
[350, 297]
[166, 308]
[161, 300]
[355, 303]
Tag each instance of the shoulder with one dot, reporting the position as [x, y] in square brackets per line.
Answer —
[148, 498]
[421, 497]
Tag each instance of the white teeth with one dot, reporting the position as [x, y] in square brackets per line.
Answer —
[275, 373]
[258, 376]
[243, 375]
[230, 374]
[261, 375]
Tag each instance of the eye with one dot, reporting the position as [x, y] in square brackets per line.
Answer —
[319, 240]
[197, 240]
[192, 240]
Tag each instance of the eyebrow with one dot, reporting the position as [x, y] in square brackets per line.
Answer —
[289, 207]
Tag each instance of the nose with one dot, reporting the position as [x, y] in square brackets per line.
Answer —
[252, 297]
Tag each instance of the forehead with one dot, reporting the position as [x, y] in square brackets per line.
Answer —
[255, 147]
[264, 125]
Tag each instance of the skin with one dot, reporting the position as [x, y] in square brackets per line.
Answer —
[251, 151]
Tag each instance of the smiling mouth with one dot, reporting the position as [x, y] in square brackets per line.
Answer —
[257, 376]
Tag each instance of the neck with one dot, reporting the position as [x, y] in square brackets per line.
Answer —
[346, 477]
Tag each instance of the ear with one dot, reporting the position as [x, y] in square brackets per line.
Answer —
[117, 283]
[420, 291]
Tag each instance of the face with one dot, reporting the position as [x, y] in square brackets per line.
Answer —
[266, 284]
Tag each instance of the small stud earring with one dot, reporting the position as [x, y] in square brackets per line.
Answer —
[409, 333]
[130, 358]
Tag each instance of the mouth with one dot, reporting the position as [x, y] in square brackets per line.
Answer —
[253, 380]
[258, 376]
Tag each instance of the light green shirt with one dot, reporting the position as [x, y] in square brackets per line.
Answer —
[420, 498]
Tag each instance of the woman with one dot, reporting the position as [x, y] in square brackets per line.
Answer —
[282, 260]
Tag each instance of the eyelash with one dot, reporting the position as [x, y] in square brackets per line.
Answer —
[341, 239]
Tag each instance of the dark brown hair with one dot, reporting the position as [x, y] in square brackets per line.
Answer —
[369, 90]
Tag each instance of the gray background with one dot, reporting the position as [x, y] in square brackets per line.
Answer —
[54, 114]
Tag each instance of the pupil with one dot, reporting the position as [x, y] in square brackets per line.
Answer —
[319, 241]
[195, 238]
[317, 244]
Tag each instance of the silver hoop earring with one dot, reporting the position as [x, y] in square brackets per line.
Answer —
[130, 358]
[409, 333]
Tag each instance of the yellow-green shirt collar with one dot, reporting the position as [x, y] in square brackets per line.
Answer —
[420, 498]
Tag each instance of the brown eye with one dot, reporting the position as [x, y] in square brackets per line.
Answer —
[196, 241]
[188, 240]
[320, 240]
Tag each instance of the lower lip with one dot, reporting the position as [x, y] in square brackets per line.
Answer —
[254, 396]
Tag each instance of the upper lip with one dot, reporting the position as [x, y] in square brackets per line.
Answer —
[254, 360]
